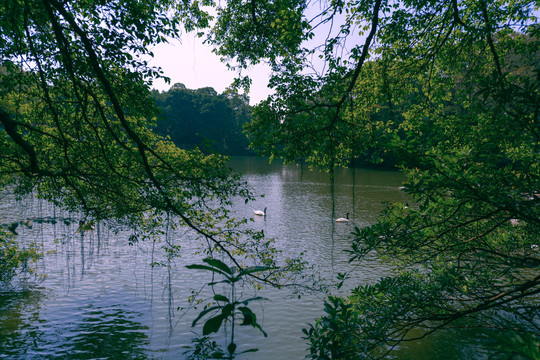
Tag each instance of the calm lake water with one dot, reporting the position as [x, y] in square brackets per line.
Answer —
[102, 299]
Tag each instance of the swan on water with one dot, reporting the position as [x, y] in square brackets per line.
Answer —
[343, 219]
[259, 212]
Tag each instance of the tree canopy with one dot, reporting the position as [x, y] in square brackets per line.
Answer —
[78, 127]
[450, 89]
[78, 121]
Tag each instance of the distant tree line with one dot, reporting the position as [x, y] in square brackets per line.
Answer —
[202, 118]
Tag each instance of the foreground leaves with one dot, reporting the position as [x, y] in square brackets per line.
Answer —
[228, 308]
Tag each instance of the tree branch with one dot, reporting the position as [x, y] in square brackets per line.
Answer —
[11, 129]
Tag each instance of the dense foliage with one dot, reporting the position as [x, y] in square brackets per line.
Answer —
[205, 119]
[77, 121]
[451, 90]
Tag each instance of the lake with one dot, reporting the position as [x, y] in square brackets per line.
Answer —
[101, 297]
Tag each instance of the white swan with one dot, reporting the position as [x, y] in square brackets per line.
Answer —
[343, 219]
[259, 212]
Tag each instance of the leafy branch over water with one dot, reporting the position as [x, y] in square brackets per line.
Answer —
[77, 122]
[228, 308]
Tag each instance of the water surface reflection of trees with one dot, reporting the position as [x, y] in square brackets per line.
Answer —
[87, 332]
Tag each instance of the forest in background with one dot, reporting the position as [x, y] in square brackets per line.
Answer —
[204, 119]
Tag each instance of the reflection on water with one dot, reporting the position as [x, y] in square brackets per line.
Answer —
[91, 335]
[102, 299]
[28, 331]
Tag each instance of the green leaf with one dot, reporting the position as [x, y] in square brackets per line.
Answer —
[219, 297]
[248, 350]
[204, 312]
[204, 267]
[212, 325]
[249, 316]
[227, 310]
[231, 348]
[218, 264]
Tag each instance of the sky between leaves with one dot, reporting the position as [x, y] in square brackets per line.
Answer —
[189, 61]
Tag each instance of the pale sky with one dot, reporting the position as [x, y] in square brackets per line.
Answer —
[192, 63]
